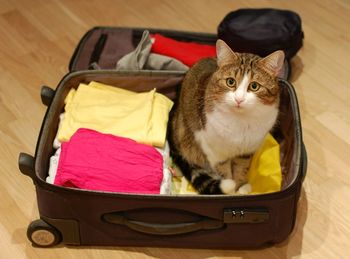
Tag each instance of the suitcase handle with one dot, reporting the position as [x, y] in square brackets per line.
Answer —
[26, 165]
[162, 229]
[47, 95]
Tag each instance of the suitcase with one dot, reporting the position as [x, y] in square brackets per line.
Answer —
[81, 217]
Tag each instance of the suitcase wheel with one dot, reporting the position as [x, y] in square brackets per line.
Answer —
[42, 234]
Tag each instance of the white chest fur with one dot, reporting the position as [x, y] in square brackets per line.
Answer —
[228, 133]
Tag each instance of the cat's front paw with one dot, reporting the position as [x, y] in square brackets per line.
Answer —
[245, 189]
[228, 186]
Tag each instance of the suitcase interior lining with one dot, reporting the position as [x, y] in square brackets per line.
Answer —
[284, 132]
[111, 49]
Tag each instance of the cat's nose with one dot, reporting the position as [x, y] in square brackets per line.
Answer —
[239, 100]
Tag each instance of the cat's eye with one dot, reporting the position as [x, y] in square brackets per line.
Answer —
[230, 82]
[254, 86]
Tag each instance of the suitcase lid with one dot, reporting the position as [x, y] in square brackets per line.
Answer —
[106, 45]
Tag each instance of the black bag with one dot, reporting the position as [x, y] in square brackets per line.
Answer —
[262, 31]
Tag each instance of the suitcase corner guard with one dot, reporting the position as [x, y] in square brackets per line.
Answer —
[46, 95]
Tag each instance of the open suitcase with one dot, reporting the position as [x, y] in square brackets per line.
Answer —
[81, 217]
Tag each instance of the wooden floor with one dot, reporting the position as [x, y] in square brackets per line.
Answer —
[37, 39]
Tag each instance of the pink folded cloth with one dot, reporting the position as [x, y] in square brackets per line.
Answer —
[187, 52]
[104, 162]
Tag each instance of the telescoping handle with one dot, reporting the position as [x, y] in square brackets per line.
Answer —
[162, 229]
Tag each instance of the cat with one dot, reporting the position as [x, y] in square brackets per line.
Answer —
[226, 107]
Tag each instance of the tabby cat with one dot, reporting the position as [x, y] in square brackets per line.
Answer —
[225, 109]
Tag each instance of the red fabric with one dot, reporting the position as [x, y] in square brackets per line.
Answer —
[187, 52]
[104, 162]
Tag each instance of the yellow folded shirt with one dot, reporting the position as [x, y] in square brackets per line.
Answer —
[265, 174]
[160, 112]
[139, 116]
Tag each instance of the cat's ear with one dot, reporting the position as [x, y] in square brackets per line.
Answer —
[274, 62]
[224, 53]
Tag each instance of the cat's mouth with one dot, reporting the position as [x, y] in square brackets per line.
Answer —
[238, 107]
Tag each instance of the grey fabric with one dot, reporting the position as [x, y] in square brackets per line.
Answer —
[142, 58]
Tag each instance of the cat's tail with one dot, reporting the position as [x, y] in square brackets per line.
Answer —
[205, 183]
[203, 180]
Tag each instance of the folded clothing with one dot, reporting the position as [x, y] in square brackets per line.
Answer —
[265, 174]
[53, 166]
[103, 162]
[180, 185]
[142, 58]
[187, 52]
[56, 143]
[165, 187]
[107, 109]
